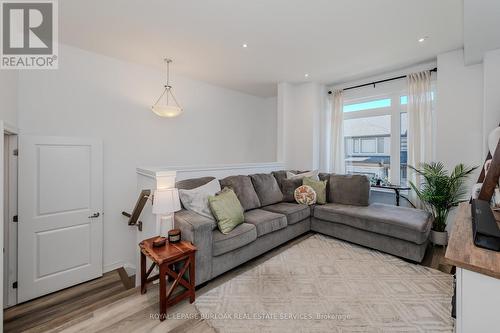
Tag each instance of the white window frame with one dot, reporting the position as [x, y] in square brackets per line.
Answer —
[394, 111]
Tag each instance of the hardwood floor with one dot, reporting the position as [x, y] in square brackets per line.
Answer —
[50, 311]
[106, 305]
[434, 258]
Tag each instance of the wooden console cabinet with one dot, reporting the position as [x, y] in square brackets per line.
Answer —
[477, 278]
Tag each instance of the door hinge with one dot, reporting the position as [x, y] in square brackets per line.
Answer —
[15, 152]
[15, 218]
[14, 285]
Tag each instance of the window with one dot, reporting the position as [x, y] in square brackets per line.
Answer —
[376, 131]
[371, 126]
[356, 145]
[403, 148]
[369, 137]
[403, 100]
[368, 146]
[381, 148]
[375, 104]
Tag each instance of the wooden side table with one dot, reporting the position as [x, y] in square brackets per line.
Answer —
[165, 257]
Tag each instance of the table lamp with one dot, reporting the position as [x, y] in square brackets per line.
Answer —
[165, 202]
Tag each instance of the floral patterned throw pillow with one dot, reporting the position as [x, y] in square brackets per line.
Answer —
[305, 195]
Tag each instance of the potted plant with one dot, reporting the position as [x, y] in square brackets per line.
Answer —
[439, 192]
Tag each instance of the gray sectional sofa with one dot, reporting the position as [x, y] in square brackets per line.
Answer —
[272, 220]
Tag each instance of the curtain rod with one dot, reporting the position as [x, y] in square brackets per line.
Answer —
[381, 81]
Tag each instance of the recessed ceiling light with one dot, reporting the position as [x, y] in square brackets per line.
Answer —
[422, 39]
[306, 75]
[245, 45]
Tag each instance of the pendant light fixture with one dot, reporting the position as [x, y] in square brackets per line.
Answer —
[166, 105]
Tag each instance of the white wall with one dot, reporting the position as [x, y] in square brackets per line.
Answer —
[459, 112]
[481, 27]
[491, 116]
[271, 109]
[299, 112]
[8, 97]
[95, 96]
[8, 120]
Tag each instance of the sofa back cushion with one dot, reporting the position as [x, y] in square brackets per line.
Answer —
[350, 190]
[267, 188]
[243, 187]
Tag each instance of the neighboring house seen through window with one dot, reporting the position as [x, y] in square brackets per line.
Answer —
[375, 134]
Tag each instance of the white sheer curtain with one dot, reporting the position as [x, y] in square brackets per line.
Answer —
[419, 124]
[337, 156]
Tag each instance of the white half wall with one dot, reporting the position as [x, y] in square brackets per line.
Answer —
[8, 97]
[91, 95]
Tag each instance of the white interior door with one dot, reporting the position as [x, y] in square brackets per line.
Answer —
[60, 213]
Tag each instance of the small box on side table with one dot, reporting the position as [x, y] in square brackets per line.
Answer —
[165, 257]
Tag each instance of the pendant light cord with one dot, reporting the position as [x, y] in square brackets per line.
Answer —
[168, 61]
[168, 88]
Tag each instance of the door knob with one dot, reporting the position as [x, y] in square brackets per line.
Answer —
[94, 216]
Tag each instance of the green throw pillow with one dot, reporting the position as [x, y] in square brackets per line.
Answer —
[227, 210]
[319, 186]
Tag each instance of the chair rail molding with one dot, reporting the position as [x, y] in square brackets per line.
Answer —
[218, 171]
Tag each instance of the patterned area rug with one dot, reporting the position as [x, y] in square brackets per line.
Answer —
[326, 285]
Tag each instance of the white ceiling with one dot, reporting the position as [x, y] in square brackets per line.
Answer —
[332, 40]
[481, 29]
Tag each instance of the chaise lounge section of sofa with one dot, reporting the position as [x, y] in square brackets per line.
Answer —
[270, 221]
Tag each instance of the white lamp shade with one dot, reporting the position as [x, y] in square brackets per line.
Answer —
[166, 201]
[493, 139]
[168, 111]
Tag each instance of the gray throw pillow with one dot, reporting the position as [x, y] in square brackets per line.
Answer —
[326, 176]
[243, 187]
[267, 188]
[350, 190]
[288, 187]
[281, 174]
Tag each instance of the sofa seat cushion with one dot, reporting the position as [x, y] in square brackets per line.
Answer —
[265, 221]
[242, 235]
[409, 224]
[294, 212]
